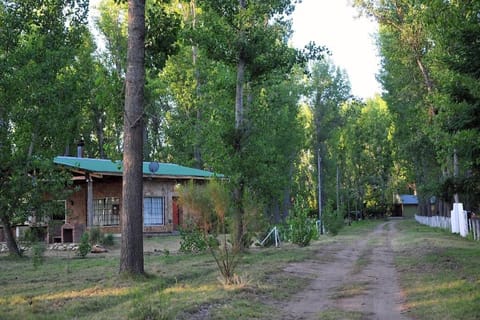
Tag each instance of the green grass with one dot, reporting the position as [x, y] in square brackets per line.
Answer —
[176, 286]
[439, 272]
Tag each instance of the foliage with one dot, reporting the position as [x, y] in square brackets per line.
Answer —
[430, 77]
[39, 45]
[212, 201]
[96, 236]
[301, 228]
[192, 240]
[332, 220]
[365, 155]
[328, 90]
[84, 246]
[257, 57]
[34, 239]
[33, 235]
[38, 251]
[196, 199]
[108, 240]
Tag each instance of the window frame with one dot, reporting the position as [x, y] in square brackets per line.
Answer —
[158, 211]
[103, 212]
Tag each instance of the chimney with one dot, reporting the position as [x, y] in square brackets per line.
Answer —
[80, 146]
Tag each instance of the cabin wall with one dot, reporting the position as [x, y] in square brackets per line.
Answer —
[111, 187]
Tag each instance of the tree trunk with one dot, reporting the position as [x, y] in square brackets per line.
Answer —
[238, 231]
[10, 238]
[131, 258]
[238, 141]
[197, 151]
[100, 137]
[239, 132]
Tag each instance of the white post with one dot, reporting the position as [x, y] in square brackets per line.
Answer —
[455, 217]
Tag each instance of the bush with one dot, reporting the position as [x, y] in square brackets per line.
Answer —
[84, 247]
[332, 220]
[96, 236]
[108, 240]
[211, 205]
[38, 250]
[192, 240]
[301, 228]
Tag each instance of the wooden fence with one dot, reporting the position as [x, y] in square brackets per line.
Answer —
[470, 224]
[474, 227]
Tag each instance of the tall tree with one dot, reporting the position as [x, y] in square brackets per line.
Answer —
[329, 90]
[39, 43]
[430, 78]
[364, 149]
[406, 46]
[162, 26]
[250, 37]
[131, 258]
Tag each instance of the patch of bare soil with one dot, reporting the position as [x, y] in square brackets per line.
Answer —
[350, 281]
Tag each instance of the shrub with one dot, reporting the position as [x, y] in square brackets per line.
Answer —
[192, 240]
[84, 247]
[301, 228]
[38, 250]
[210, 205]
[333, 220]
[108, 240]
[95, 236]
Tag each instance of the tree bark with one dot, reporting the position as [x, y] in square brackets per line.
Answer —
[10, 238]
[131, 258]
[239, 132]
[197, 151]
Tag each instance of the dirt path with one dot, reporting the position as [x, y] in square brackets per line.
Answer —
[350, 281]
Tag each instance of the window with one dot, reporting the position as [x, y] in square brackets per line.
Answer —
[106, 212]
[153, 211]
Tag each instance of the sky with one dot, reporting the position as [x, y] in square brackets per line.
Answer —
[334, 24]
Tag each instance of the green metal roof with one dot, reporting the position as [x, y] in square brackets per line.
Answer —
[109, 167]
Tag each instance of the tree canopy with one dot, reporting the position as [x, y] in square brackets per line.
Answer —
[225, 91]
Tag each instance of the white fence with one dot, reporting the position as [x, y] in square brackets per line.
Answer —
[435, 221]
[474, 226]
[459, 222]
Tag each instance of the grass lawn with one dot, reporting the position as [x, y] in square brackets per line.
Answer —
[177, 286]
[440, 272]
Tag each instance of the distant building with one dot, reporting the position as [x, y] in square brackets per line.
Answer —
[406, 205]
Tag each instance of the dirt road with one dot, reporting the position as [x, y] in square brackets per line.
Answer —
[350, 281]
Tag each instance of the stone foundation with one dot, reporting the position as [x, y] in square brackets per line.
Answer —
[54, 246]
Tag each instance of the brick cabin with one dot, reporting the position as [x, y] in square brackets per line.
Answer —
[96, 201]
